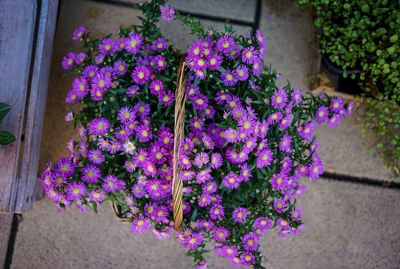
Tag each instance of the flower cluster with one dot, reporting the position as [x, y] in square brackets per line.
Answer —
[247, 141]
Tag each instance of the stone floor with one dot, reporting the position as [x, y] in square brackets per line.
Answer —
[348, 225]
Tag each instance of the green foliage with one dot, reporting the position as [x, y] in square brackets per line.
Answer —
[382, 115]
[5, 137]
[364, 35]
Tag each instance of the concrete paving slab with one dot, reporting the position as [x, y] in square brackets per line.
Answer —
[290, 40]
[180, 37]
[240, 9]
[348, 226]
[345, 152]
[5, 231]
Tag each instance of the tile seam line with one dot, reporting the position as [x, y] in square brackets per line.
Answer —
[197, 15]
[359, 179]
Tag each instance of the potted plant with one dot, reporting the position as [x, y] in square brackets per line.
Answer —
[202, 141]
[360, 42]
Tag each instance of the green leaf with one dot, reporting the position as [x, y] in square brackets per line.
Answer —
[6, 138]
[4, 109]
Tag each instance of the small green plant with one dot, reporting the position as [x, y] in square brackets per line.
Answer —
[5, 137]
[382, 116]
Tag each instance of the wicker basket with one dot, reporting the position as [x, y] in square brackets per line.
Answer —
[179, 127]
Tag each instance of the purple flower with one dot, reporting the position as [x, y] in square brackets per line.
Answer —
[159, 63]
[144, 133]
[160, 44]
[260, 38]
[100, 83]
[274, 117]
[247, 258]
[249, 55]
[257, 67]
[315, 169]
[239, 214]
[132, 91]
[231, 181]
[216, 160]
[336, 104]
[322, 114]
[280, 205]
[334, 120]
[296, 214]
[140, 225]
[306, 132]
[285, 144]
[229, 251]
[225, 43]
[79, 32]
[167, 12]
[80, 58]
[133, 43]
[297, 96]
[217, 212]
[68, 61]
[64, 167]
[141, 74]
[166, 98]
[120, 68]
[98, 126]
[156, 87]
[126, 115]
[201, 159]
[138, 190]
[75, 191]
[229, 78]
[111, 183]
[149, 169]
[97, 196]
[250, 242]
[264, 158]
[220, 234]
[95, 156]
[107, 46]
[242, 72]
[279, 181]
[279, 99]
[210, 187]
[204, 200]
[90, 174]
[263, 223]
[90, 71]
[214, 61]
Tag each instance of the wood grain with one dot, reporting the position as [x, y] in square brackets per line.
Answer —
[36, 105]
[25, 90]
[17, 26]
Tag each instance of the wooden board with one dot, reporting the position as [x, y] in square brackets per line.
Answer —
[17, 25]
[36, 105]
[25, 25]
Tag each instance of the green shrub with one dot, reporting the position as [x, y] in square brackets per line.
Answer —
[365, 35]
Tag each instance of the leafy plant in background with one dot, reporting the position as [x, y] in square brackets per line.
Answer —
[247, 141]
[365, 35]
[5, 137]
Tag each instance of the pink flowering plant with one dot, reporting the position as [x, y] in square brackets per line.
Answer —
[247, 145]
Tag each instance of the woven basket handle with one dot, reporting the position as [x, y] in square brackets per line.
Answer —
[179, 130]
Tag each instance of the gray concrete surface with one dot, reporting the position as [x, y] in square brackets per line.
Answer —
[349, 225]
[5, 232]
